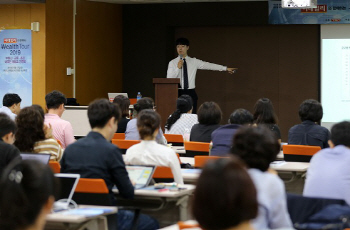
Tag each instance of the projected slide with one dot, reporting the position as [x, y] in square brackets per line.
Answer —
[335, 81]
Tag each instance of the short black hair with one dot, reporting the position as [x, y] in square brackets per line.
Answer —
[264, 112]
[144, 103]
[7, 125]
[100, 111]
[225, 195]
[311, 110]
[182, 41]
[256, 146]
[241, 117]
[123, 103]
[340, 133]
[11, 99]
[148, 122]
[55, 99]
[209, 113]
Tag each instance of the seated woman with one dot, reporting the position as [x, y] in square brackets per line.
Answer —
[34, 136]
[264, 114]
[222, 136]
[182, 118]
[148, 152]
[258, 147]
[225, 196]
[124, 104]
[27, 190]
[309, 132]
[131, 132]
[209, 117]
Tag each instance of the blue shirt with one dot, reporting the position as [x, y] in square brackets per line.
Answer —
[222, 139]
[132, 133]
[329, 174]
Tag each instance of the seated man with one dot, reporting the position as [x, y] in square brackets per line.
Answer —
[222, 136]
[95, 157]
[328, 174]
[309, 132]
[61, 130]
[8, 152]
[11, 105]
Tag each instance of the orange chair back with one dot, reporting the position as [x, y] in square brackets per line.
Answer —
[200, 161]
[119, 136]
[299, 153]
[55, 166]
[183, 225]
[163, 172]
[124, 144]
[178, 157]
[133, 101]
[174, 138]
[196, 146]
[59, 142]
[86, 185]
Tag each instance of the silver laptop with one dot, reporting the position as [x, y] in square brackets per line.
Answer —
[68, 184]
[111, 96]
[43, 158]
[141, 175]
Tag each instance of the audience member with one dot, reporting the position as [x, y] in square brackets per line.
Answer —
[258, 147]
[34, 136]
[27, 194]
[95, 157]
[124, 104]
[62, 130]
[209, 117]
[225, 196]
[222, 136]
[264, 114]
[309, 132]
[8, 152]
[11, 105]
[328, 174]
[182, 118]
[131, 132]
[149, 152]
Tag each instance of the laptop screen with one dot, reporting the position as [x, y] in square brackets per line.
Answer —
[68, 184]
[140, 175]
[43, 158]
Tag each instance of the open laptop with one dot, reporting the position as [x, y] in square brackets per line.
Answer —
[111, 96]
[43, 158]
[68, 184]
[141, 175]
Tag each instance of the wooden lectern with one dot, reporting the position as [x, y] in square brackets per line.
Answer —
[166, 94]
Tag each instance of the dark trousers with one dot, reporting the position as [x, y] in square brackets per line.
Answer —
[192, 93]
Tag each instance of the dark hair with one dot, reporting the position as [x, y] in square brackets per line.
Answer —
[182, 41]
[55, 99]
[39, 109]
[311, 110]
[100, 111]
[264, 112]
[144, 103]
[123, 103]
[225, 195]
[25, 187]
[10, 99]
[30, 129]
[340, 134]
[7, 125]
[256, 146]
[183, 105]
[148, 122]
[241, 117]
[209, 113]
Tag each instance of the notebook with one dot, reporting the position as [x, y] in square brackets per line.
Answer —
[68, 184]
[43, 158]
[141, 175]
[111, 96]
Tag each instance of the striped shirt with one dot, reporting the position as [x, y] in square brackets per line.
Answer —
[49, 146]
[186, 121]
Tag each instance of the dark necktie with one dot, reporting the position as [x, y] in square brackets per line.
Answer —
[185, 75]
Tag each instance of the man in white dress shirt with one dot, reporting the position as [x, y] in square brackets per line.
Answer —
[11, 105]
[185, 68]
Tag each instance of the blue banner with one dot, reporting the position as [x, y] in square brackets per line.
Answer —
[327, 12]
[16, 64]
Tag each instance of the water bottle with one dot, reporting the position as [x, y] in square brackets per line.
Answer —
[186, 134]
[139, 96]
